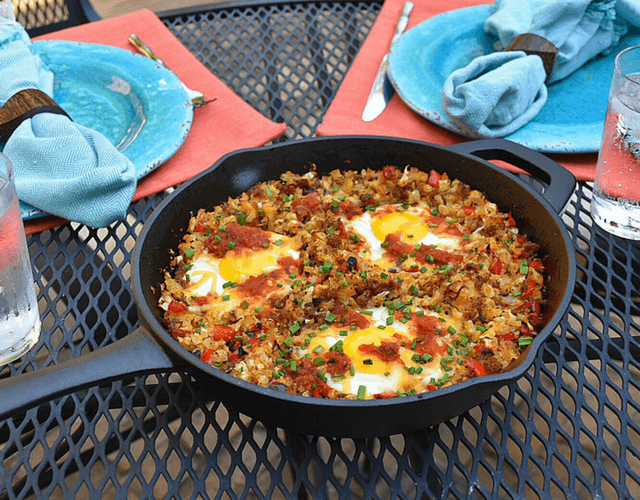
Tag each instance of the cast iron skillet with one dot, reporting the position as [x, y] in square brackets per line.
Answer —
[151, 347]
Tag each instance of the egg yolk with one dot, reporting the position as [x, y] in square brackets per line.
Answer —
[237, 266]
[412, 227]
[368, 363]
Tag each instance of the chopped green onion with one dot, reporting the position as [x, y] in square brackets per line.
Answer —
[295, 327]
[524, 267]
[326, 267]
[338, 346]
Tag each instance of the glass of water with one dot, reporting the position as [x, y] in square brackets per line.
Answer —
[616, 197]
[19, 316]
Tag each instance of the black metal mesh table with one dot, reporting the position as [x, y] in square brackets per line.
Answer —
[568, 429]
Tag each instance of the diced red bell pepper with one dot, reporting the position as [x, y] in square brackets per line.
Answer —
[469, 210]
[177, 307]
[529, 289]
[508, 337]
[389, 172]
[221, 332]
[476, 367]
[434, 178]
[496, 266]
[207, 355]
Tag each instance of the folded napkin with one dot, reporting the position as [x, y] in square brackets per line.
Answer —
[496, 94]
[579, 29]
[61, 167]
[226, 124]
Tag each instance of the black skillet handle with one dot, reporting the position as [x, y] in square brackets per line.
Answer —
[137, 353]
[560, 183]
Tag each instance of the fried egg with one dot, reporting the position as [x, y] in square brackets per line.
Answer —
[222, 276]
[383, 355]
[415, 226]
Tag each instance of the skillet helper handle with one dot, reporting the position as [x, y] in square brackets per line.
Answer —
[560, 183]
[135, 354]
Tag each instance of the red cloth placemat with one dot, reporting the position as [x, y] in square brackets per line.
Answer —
[219, 127]
[398, 120]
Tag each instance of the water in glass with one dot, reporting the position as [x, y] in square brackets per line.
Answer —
[19, 317]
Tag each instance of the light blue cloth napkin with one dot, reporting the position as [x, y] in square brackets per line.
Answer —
[580, 29]
[60, 167]
[496, 94]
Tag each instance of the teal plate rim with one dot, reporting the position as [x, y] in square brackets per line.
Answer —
[572, 119]
[95, 84]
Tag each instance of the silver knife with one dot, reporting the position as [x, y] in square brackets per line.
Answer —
[382, 90]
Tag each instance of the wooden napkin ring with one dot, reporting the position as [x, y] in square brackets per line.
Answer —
[23, 105]
[532, 44]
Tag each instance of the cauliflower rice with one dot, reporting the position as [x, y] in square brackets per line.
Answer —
[316, 307]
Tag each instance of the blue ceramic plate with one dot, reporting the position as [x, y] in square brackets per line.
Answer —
[136, 103]
[572, 119]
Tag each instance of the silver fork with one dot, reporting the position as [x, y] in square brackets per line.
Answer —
[197, 98]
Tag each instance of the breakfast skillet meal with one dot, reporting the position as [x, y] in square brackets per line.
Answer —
[355, 285]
